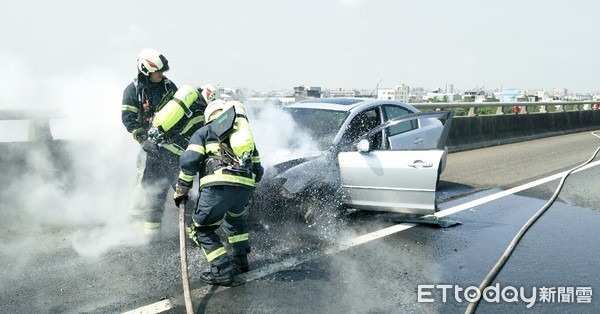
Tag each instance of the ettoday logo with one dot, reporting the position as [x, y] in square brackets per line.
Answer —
[508, 294]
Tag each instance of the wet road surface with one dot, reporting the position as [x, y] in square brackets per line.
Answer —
[362, 263]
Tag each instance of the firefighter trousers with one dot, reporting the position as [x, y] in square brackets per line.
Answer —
[159, 175]
[222, 205]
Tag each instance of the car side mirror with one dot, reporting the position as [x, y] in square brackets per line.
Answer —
[363, 146]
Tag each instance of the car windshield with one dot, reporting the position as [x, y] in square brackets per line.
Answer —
[322, 125]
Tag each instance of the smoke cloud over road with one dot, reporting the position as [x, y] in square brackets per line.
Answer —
[81, 182]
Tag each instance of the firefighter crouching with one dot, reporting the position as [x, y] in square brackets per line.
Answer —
[225, 156]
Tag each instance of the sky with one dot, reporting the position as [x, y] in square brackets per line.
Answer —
[272, 45]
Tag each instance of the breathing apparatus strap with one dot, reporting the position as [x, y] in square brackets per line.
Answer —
[229, 163]
[169, 94]
[145, 109]
[188, 112]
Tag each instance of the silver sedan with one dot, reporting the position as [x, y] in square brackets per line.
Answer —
[368, 154]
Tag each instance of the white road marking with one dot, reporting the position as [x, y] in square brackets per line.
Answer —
[168, 304]
[158, 307]
[489, 198]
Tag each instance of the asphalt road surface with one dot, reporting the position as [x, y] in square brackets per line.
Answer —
[358, 263]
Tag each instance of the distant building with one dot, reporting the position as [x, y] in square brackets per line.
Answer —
[557, 93]
[402, 93]
[314, 92]
[475, 95]
[342, 93]
[399, 93]
[301, 92]
[385, 94]
[543, 95]
[512, 95]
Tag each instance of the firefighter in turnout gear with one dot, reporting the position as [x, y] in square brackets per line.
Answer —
[143, 101]
[224, 155]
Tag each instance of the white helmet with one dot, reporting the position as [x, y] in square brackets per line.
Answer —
[150, 61]
[214, 109]
[210, 93]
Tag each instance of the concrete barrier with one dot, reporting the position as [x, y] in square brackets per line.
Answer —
[490, 130]
[466, 132]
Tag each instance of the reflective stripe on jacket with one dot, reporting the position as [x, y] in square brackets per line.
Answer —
[203, 145]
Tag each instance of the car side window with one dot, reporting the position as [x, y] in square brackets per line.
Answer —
[361, 124]
[392, 112]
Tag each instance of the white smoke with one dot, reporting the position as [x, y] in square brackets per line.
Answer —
[90, 198]
[274, 130]
[87, 188]
[104, 164]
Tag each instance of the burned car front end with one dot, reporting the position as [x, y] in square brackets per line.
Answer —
[300, 174]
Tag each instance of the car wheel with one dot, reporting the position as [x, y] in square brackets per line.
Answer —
[321, 204]
[309, 208]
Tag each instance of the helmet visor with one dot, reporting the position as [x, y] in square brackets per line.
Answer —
[165, 63]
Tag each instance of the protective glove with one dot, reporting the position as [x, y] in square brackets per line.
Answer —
[181, 194]
[140, 134]
[192, 230]
[149, 147]
[258, 172]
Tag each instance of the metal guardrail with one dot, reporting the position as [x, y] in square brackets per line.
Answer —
[542, 106]
[39, 126]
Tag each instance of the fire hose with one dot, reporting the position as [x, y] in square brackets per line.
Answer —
[184, 270]
[511, 247]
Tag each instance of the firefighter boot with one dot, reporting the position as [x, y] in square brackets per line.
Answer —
[152, 231]
[218, 276]
[240, 264]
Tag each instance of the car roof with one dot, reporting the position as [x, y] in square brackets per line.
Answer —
[335, 103]
[341, 103]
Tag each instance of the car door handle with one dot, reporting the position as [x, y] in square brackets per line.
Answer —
[420, 164]
[418, 141]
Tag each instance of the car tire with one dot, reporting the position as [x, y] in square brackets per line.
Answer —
[309, 208]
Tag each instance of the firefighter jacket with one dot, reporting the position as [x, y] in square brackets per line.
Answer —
[142, 98]
[205, 155]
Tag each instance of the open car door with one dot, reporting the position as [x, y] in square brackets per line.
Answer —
[392, 179]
